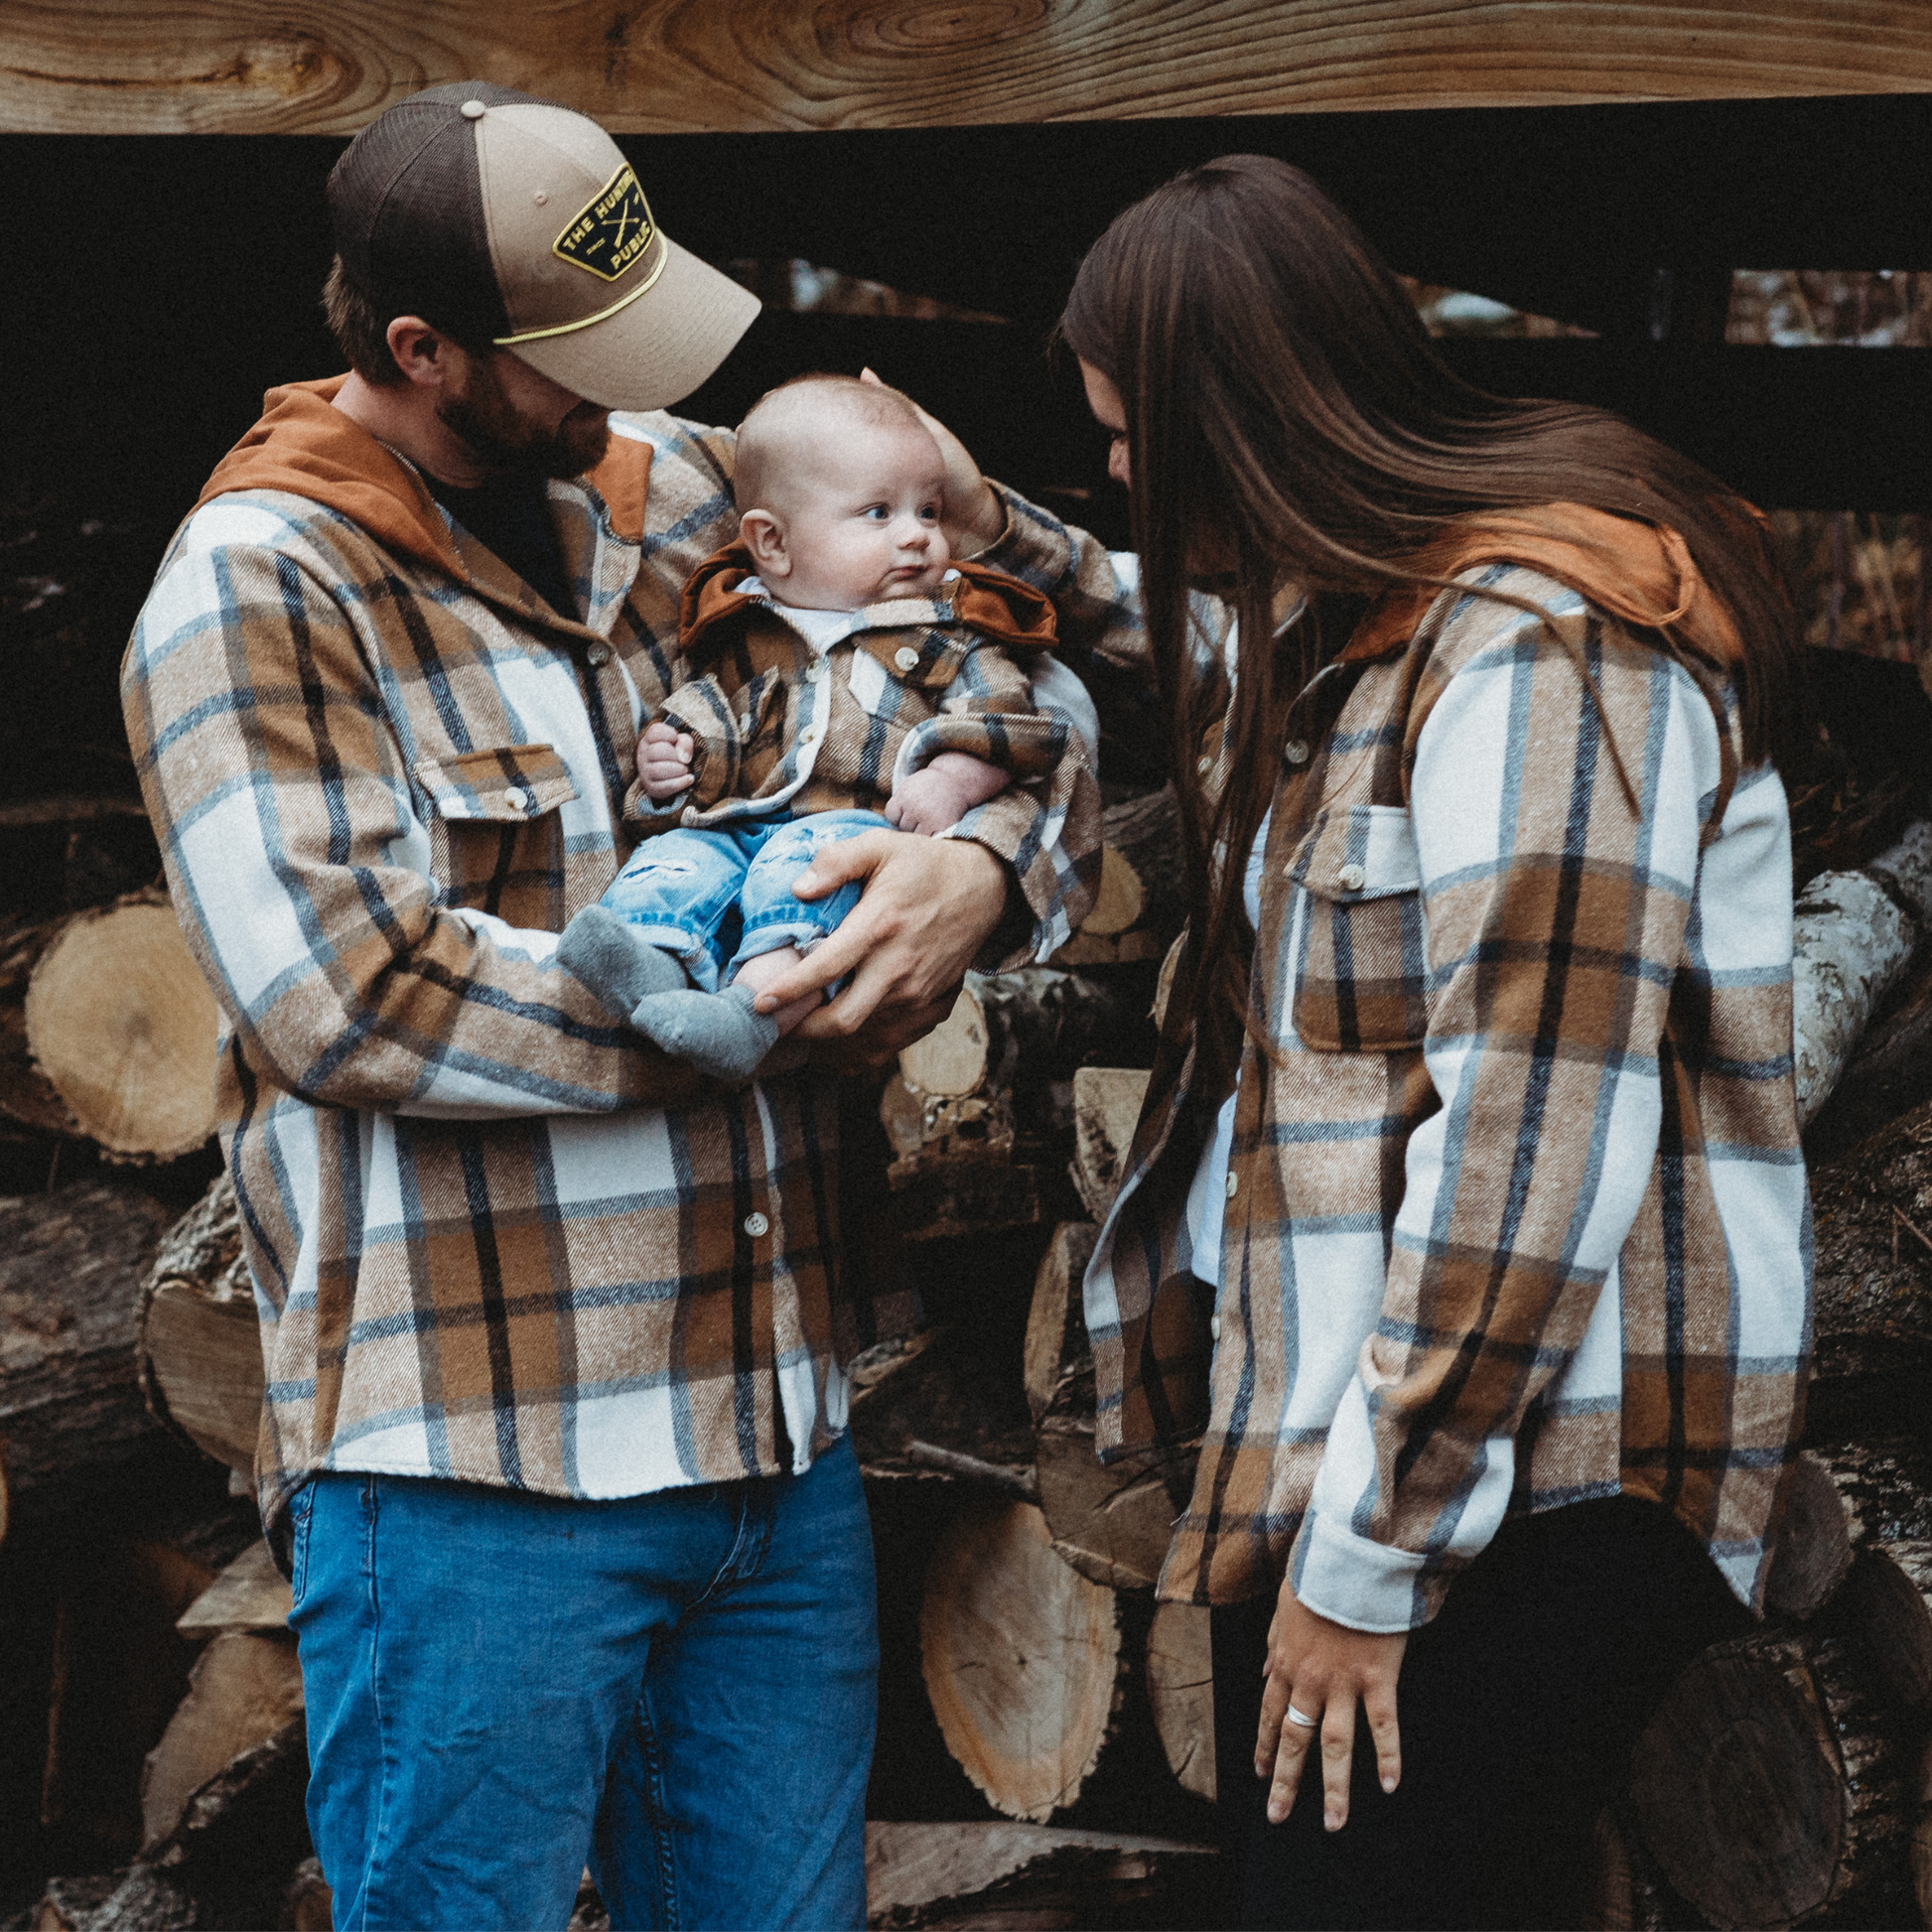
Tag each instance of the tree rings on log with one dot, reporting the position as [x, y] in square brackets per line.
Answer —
[1814, 1546]
[1767, 1785]
[1181, 1688]
[121, 1022]
[1022, 1659]
[1010, 1030]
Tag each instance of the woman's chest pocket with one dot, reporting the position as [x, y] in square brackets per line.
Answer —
[1361, 967]
[497, 832]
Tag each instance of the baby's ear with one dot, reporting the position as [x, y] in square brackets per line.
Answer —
[764, 537]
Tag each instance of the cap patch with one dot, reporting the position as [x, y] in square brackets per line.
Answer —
[611, 230]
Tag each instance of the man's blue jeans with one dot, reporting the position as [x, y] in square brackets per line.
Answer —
[675, 1689]
[721, 897]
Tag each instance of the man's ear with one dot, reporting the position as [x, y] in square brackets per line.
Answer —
[764, 537]
[421, 352]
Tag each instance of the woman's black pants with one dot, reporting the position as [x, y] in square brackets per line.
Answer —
[1519, 1705]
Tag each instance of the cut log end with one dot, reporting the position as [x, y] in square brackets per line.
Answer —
[1181, 1688]
[1021, 1656]
[123, 1026]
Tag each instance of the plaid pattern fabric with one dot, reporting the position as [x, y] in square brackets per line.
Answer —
[494, 1235]
[1517, 1213]
[779, 722]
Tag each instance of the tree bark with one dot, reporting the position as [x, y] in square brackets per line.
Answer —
[70, 1268]
[1013, 1030]
[1020, 1657]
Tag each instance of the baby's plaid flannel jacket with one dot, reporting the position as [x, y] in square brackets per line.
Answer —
[495, 1236]
[1516, 1213]
[780, 723]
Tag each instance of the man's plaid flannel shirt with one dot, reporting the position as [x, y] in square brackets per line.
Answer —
[1517, 1215]
[494, 1235]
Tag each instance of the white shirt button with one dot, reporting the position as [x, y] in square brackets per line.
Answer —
[1203, 764]
[1232, 1185]
[1351, 879]
[515, 797]
[814, 671]
[1296, 751]
[599, 656]
[905, 657]
[1213, 1327]
[756, 1226]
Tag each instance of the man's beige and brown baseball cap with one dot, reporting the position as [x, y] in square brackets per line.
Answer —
[507, 220]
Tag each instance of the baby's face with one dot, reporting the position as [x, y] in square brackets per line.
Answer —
[861, 520]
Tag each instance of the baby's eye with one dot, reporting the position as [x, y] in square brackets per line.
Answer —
[877, 511]
[929, 513]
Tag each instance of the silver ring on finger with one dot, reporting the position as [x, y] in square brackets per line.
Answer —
[1295, 1717]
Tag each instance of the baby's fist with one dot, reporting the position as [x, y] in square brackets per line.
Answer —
[664, 763]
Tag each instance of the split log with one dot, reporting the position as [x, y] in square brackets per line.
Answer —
[1020, 1657]
[26, 1093]
[1623, 1892]
[1106, 1110]
[1056, 1323]
[1854, 935]
[984, 1874]
[1772, 1782]
[245, 1686]
[122, 1024]
[1140, 905]
[250, 1594]
[200, 1357]
[1111, 1521]
[1181, 1688]
[1886, 1610]
[70, 1268]
[1014, 1031]
[1814, 1549]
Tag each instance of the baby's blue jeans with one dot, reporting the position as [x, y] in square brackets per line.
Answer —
[675, 1689]
[722, 897]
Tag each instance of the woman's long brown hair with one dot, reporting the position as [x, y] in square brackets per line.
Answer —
[1289, 421]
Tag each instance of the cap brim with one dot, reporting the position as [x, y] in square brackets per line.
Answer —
[657, 349]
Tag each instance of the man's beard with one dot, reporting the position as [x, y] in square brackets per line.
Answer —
[482, 415]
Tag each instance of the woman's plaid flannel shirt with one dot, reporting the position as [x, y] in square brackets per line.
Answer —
[1518, 1215]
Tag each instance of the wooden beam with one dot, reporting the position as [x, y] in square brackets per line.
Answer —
[228, 67]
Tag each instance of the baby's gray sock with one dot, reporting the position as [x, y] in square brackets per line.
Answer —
[718, 1033]
[614, 961]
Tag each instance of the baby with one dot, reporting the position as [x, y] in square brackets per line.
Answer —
[839, 674]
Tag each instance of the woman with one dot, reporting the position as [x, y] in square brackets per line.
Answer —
[1467, 1211]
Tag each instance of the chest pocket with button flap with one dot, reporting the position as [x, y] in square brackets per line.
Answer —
[498, 836]
[1360, 971]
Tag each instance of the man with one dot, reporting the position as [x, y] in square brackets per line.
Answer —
[554, 1433]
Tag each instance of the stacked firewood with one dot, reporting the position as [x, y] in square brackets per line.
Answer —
[1046, 1748]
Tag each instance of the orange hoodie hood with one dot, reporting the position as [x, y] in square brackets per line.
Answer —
[998, 607]
[1639, 573]
[305, 446]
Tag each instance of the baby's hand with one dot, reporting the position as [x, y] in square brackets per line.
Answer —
[943, 792]
[664, 763]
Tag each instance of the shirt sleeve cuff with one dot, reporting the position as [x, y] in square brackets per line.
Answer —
[1034, 546]
[1363, 1584]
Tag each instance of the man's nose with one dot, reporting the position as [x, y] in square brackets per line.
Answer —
[1117, 465]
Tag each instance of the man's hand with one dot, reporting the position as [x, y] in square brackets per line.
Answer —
[1317, 1670]
[664, 763]
[941, 794]
[972, 516]
[929, 904]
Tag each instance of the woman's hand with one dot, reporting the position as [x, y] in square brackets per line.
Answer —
[974, 517]
[928, 906]
[1317, 1670]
